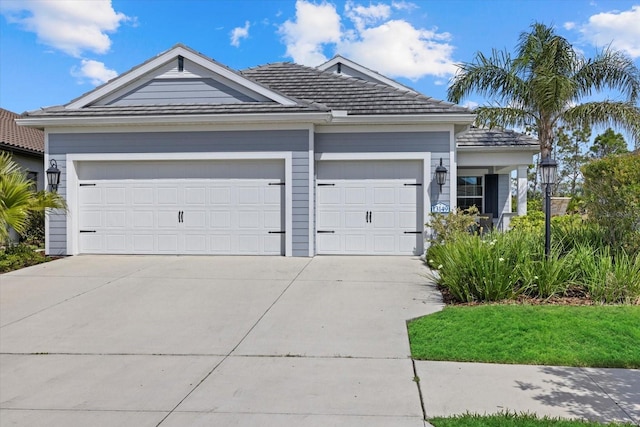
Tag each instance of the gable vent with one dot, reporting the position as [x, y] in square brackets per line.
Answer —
[180, 63]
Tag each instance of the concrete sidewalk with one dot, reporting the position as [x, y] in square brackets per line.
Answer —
[603, 395]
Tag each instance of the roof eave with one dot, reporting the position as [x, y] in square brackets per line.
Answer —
[449, 118]
[497, 148]
[168, 120]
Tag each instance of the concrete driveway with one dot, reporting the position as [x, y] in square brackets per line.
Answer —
[199, 341]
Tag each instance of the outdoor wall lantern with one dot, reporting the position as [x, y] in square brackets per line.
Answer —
[548, 168]
[53, 175]
[441, 175]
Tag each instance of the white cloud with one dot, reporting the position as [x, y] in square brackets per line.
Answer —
[94, 71]
[391, 46]
[363, 16]
[398, 49]
[69, 26]
[315, 25]
[239, 33]
[620, 29]
[472, 105]
[569, 25]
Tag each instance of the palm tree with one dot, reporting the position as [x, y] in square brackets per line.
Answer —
[18, 198]
[542, 86]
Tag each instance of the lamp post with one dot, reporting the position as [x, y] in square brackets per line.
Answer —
[53, 175]
[548, 168]
[441, 175]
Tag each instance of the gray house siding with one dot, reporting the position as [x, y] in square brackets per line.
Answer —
[182, 91]
[382, 142]
[57, 236]
[295, 141]
[395, 142]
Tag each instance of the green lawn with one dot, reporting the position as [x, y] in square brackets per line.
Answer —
[512, 420]
[593, 336]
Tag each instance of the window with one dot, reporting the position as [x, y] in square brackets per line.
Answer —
[470, 192]
[33, 177]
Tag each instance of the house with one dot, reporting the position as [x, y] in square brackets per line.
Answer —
[26, 146]
[183, 155]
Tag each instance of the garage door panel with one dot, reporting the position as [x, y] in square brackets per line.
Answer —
[368, 206]
[143, 243]
[115, 219]
[167, 243]
[115, 196]
[90, 219]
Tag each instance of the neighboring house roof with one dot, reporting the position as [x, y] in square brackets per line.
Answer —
[357, 97]
[482, 137]
[341, 65]
[19, 138]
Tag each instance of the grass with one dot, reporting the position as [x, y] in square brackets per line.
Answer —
[582, 336]
[512, 420]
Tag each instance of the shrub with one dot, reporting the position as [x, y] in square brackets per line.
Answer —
[612, 199]
[19, 256]
[445, 226]
[609, 279]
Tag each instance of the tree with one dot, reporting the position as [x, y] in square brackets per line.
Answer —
[607, 144]
[543, 85]
[571, 157]
[18, 198]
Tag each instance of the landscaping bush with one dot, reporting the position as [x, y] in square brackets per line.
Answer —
[445, 226]
[500, 266]
[19, 256]
[612, 199]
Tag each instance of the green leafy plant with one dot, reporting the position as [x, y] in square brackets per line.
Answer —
[18, 256]
[445, 227]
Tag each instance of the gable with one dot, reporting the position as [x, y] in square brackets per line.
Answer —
[181, 81]
[178, 76]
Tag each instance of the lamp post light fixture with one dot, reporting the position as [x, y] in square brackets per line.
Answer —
[441, 175]
[548, 168]
[53, 175]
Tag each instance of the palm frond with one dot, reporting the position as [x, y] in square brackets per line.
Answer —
[504, 117]
[624, 115]
[608, 70]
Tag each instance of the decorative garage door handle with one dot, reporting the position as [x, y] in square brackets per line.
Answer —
[367, 216]
[180, 216]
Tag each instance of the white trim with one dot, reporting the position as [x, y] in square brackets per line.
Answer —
[453, 171]
[372, 128]
[171, 119]
[473, 172]
[162, 59]
[311, 194]
[372, 156]
[72, 177]
[456, 118]
[222, 127]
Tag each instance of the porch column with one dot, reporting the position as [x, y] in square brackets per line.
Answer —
[522, 189]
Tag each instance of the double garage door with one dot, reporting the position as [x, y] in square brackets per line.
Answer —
[181, 207]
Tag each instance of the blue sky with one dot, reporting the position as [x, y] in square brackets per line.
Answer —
[52, 51]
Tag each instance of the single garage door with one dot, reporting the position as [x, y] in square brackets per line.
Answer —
[181, 207]
[369, 207]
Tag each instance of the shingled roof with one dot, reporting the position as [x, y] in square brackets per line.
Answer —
[17, 137]
[357, 97]
[480, 137]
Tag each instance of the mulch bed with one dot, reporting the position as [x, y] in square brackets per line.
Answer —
[575, 297]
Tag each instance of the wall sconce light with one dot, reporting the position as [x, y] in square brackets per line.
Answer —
[53, 175]
[441, 175]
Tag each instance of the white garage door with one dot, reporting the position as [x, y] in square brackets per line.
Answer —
[369, 207]
[185, 207]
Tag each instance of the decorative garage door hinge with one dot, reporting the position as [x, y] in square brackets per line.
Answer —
[414, 185]
[325, 231]
[277, 232]
[413, 232]
[87, 185]
[276, 183]
[87, 231]
[325, 185]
